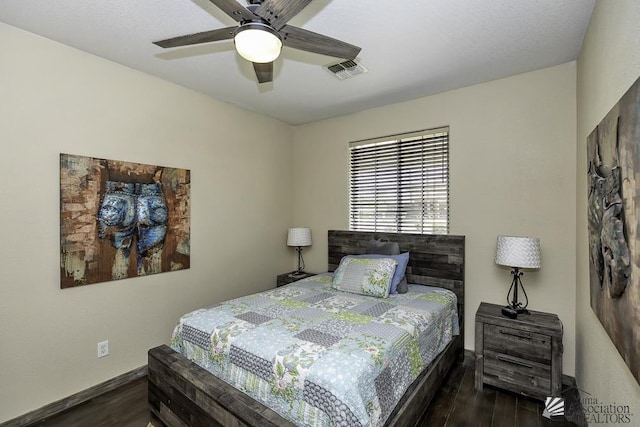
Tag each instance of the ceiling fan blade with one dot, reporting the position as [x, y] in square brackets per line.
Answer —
[203, 37]
[309, 41]
[264, 71]
[279, 12]
[234, 9]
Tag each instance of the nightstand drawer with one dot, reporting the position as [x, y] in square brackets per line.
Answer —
[518, 343]
[516, 374]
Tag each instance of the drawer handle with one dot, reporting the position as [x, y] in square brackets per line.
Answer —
[511, 334]
[515, 362]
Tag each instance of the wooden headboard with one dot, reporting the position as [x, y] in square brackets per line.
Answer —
[435, 260]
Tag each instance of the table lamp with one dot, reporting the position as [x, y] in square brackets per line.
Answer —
[299, 237]
[517, 253]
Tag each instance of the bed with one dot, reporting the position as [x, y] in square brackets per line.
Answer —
[182, 393]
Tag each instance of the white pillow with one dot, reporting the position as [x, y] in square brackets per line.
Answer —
[366, 276]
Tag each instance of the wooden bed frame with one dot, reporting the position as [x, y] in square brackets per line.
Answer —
[182, 393]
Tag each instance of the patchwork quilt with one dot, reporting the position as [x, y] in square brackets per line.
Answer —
[319, 356]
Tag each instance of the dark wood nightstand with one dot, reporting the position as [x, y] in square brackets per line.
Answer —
[286, 278]
[523, 355]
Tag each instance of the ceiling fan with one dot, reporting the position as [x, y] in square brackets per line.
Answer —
[262, 32]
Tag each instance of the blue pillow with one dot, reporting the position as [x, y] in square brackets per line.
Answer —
[398, 275]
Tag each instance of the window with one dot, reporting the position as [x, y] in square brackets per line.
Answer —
[400, 183]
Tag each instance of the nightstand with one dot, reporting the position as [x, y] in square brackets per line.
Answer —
[523, 355]
[286, 278]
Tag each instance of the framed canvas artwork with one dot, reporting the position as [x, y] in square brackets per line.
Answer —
[613, 215]
[120, 219]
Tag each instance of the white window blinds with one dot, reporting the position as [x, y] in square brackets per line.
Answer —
[400, 183]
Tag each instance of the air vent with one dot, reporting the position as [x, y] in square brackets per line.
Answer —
[347, 69]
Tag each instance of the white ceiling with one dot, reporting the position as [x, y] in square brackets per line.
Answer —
[411, 48]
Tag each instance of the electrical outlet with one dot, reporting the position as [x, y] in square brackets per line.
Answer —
[103, 348]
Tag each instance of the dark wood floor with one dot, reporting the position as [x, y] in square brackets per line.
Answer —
[456, 404]
[123, 407]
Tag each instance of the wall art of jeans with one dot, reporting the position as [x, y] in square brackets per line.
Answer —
[120, 219]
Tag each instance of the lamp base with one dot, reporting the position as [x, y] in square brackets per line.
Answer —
[512, 313]
[514, 308]
[298, 273]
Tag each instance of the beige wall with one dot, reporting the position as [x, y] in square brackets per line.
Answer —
[55, 99]
[608, 64]
[512, 161]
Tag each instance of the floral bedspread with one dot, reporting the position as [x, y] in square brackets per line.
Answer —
[319, 356]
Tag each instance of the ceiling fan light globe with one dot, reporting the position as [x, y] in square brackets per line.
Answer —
[257, 44]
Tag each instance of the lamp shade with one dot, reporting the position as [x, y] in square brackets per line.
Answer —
[521, 252]
[299, 236]
[257, 42]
